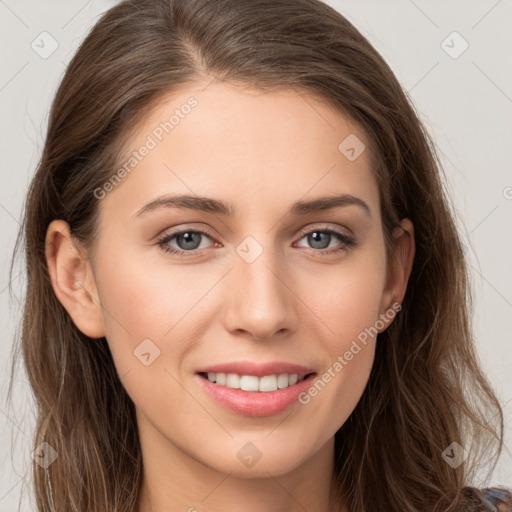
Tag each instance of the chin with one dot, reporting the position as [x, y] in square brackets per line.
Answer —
[253, 460]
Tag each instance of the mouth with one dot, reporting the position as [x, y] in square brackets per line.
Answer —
[255, 389]
[255, 395]
[256, 384]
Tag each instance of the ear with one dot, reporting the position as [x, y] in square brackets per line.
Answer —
[399, 267]
[72, 280]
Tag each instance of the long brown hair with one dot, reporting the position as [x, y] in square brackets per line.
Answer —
[426, 389]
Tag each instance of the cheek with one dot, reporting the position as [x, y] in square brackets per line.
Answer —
[347, 297]
[151, 317]
[349, 306]
[335, 393]
[351, 312]
[150, 301]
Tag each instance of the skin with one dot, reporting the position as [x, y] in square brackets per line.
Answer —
[261, 152]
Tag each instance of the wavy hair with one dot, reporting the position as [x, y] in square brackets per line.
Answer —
[426, 389]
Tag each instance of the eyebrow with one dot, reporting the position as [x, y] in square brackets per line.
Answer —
[216, 206]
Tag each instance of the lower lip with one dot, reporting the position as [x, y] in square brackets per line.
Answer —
[256, 403]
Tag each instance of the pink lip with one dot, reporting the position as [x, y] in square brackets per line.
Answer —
[256, 403]
[257, 369]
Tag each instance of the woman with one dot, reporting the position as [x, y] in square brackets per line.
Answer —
[245, 285]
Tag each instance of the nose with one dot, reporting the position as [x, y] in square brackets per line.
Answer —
[261, 302]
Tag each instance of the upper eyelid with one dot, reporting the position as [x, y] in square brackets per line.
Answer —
[320, 227]
[325, 228]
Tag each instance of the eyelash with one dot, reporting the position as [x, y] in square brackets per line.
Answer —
[347, 242]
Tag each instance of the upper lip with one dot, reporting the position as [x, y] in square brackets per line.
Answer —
[257, 369]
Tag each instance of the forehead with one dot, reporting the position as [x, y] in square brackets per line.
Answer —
[260, 148]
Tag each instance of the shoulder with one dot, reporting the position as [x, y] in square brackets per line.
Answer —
[497, 499]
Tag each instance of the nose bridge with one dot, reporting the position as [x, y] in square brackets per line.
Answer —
[261, 302]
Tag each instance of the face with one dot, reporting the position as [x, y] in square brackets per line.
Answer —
[260, 277]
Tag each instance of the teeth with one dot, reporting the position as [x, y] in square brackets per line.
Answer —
[233, 381]
[253, 383]
[249, 383]
[282, 381]
[269, 382]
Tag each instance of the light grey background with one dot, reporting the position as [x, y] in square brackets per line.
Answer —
[465, 102]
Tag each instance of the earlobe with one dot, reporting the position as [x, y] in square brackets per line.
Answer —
[72, 280]
[400, 265]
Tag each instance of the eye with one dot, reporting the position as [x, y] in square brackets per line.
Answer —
[190, 240]
[187, 241]
[321, 239]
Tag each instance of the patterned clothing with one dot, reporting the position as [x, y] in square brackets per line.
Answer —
[496, 500]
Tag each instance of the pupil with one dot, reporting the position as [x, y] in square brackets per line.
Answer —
[315, 240]
[188, 238]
